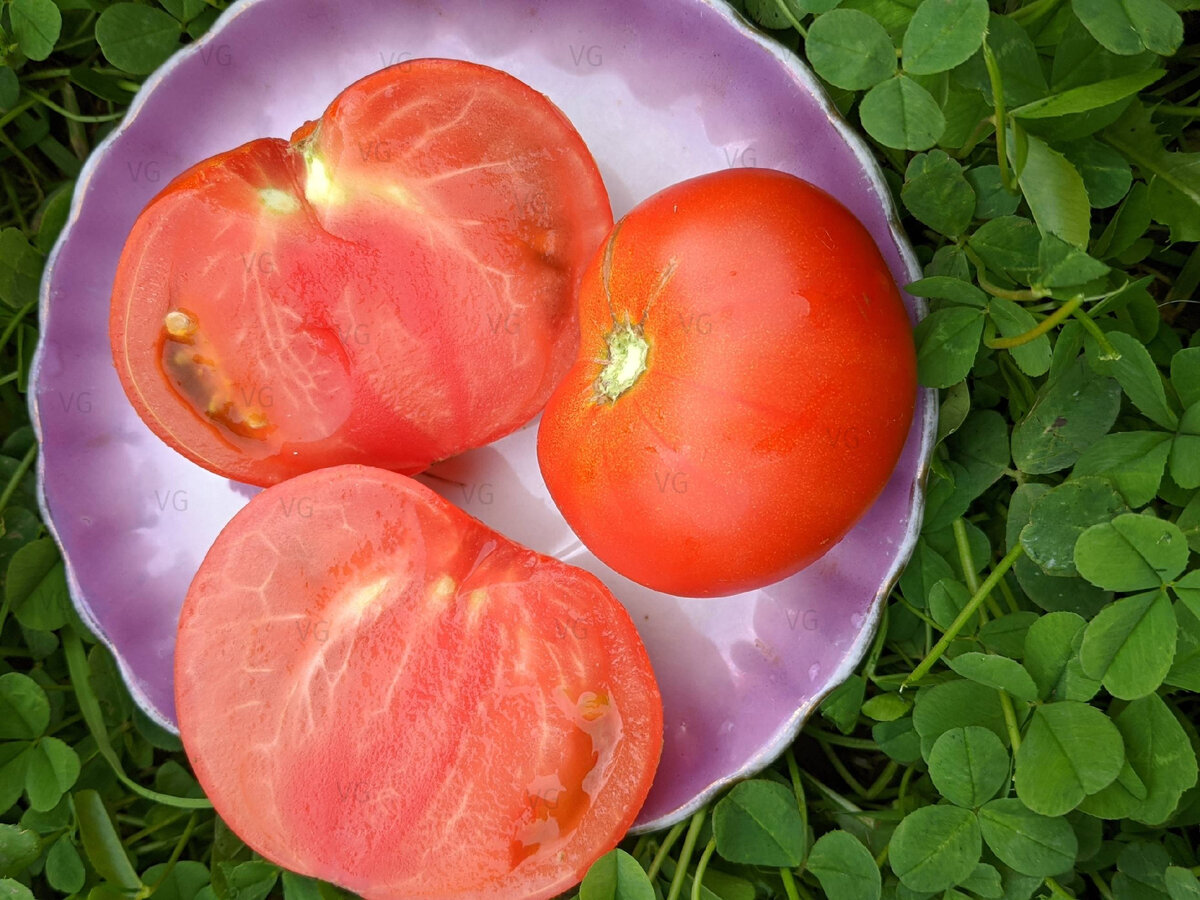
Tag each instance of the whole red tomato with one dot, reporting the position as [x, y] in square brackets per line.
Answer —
[393, 286]
[744, 386]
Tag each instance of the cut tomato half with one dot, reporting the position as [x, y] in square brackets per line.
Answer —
[393, 286]
[377, 690]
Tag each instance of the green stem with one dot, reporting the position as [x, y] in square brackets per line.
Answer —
[175, 854]
[685, 854]
[14, 322]
[639, 848]
[86, 40]
[842, 771]
[831, 794]
[1017, 296]
[1173, 86]
[787, 14]
[917, 613]
[1188, 279]
[86, 27]
[45, 74]
[664, 849]
[839, 740]
[1009, 597]
[976, 136]
[884, 779]
[156, 827]
[698, 878]
[4, 610]
[1039, 9]
[1107, 350]
[15, 202]
[993, 607]
[34, 173]
[18, 473]
[1010, 721]
[1102, 887]
[76, 135]
[963, 544]
[67, 114]
[77, 665]
[1056, 889]
[993, 70]
[876, 646]
[789, 884]
[968, 564]
[14, 112]
[1191, 112]
[68, 721]
[1067, 309]
[964, 616]
[797, 788]
[1018, 379]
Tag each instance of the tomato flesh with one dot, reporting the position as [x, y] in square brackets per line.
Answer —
[744, 387]
[377, 690]
[392, 286]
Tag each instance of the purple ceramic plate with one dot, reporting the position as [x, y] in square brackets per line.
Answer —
[660, 91]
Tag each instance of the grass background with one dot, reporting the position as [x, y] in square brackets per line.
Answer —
[1025, 723]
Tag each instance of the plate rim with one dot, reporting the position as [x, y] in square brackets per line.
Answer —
[795, 68]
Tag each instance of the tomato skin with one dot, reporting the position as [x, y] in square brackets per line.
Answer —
[394, 285]
[778, 390]
[377, 690]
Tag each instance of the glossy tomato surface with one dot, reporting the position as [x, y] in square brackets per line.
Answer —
[377, 690]
[392, 286]
[744, 386]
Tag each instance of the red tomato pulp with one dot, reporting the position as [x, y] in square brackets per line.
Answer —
[393, 286]
[744, 386]
[378, 690]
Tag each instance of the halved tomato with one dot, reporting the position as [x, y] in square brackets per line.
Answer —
[744, 386]
[393, 286]
[378, 690]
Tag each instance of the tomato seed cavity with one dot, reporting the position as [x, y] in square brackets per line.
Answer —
[190, 362]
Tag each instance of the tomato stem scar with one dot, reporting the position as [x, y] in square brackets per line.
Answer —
[627, 352]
